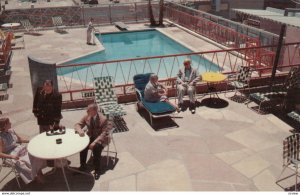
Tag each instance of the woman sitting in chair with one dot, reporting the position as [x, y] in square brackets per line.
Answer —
[29, 167]
[155, 92]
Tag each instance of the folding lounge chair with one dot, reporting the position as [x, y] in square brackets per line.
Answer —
[106, 98]
[290, 155]
[27, 25]
[6, 77]
[241, 80]
[155, 110]
[6, 64]
[295, 115]
[274, 97]
[58, 23]
[3, 86]
[11, 168]
[121, 26]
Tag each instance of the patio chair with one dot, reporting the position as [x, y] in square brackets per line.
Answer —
[155, 110]
[18, 41]
[106, 98]
[27, 25]
[5, 77]
[239, 81]
[6, 64]
[291, 149]
[277, 96]
[295, 115]
[7, 163]
[108, 148]
[58, 24]
[3, 86]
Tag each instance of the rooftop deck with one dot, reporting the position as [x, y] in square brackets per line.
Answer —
[226, 149]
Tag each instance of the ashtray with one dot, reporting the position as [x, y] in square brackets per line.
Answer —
[58, 141]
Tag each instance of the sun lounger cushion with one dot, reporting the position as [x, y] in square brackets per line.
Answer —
[158, 108]
[3, 86]
[294, 115]
[266, 96]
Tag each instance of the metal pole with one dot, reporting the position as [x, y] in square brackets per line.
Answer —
[277, 56]
[82, 13]
[109, 8]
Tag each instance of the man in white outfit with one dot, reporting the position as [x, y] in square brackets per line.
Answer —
[186, 82]
[90, 33]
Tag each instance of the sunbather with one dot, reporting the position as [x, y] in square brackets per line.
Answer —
[154, 91]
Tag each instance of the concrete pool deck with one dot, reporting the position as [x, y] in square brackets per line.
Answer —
[226, 149]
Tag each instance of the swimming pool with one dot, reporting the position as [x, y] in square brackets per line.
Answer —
[125, 45]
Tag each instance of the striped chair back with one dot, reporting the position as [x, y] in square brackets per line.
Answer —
[104, 91]
[244, 74]
[57, 21]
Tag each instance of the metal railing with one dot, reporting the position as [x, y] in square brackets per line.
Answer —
[76, 79]
[266, 38]
[138, 12]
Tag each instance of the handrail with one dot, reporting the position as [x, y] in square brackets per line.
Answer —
[235, 56]
[174, 55]
[224, 19]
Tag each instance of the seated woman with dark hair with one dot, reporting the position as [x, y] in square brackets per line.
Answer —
[29, 167]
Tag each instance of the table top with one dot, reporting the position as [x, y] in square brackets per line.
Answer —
[10, 25]
[45, 147]
[213, 77]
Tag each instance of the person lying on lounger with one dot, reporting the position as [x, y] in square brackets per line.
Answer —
[154, 91]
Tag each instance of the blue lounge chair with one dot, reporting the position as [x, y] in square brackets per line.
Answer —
[155, 109]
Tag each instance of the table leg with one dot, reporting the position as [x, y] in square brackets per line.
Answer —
[77, 171]
[63, 170]
[65, 165]
[212, 90]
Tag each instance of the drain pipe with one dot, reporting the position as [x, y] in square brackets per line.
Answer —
[279, 46]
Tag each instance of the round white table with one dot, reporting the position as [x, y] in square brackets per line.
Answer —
[45, 147]
[10, 25]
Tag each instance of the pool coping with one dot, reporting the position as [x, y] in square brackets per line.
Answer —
[225, 68]
[99, 49]
[98, 43]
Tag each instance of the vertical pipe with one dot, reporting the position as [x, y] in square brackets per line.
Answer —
[135, 10]
[82, 12]
[109, 8]
[278, 50]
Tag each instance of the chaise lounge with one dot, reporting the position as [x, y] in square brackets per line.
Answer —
[155, 110]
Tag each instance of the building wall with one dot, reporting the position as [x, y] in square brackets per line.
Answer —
[244, 4]
[227, 5]
[292, 35]
[270, 26]
[280, 4]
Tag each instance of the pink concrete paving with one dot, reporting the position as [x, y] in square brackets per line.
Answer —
[226, 149]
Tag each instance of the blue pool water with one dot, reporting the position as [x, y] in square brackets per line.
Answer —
[127, 45]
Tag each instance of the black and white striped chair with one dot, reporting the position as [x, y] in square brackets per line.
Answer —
[295, 116]
[106, 98]
[275, 97]
[239, 81]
